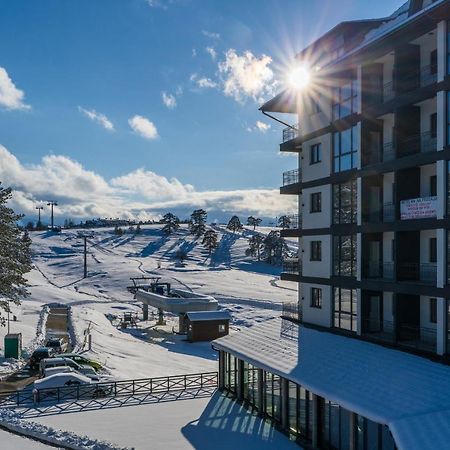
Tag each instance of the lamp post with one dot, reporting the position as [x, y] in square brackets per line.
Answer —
[39, 208]
[52, 203]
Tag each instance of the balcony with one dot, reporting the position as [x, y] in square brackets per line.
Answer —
[428, 75]
[292, 266]
[294, 222]
[423, 273]
[380, 270]
[404, 335]
[418, 208]
[389, 212]
[419, 143]
[292, 311]
[428, 142]
[388, 91]
[291, 177]
[290, 133]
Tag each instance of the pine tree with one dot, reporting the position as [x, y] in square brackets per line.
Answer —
[275, 248]
[234, 224]
[255, 245]
[172, 223]
[138, 228]
[210, 240]
[254, 222]
[198, 222]
[284, 222]
[15, 255]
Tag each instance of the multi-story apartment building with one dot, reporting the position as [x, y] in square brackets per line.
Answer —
[372, 136]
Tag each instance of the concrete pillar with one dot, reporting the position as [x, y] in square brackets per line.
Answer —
[441, 125]
[145, 311]
[260, 391]
[284, 403]
[441, 326]
[315, 427]
[441, 50]
[441, 257]
[441, 177]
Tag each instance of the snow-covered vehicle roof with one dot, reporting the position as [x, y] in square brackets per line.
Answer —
[408, 393]
[199, 316]
[60, 380]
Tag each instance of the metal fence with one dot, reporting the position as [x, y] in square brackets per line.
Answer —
[127, 388]
[292, 311]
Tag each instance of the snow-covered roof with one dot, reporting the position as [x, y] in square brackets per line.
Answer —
[198, 316]
[408, 393]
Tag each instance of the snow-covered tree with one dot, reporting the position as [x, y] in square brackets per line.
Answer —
[118, 231]
[234, 224]
[198, 222]
[210, 240]
[15, 257]
[255, 245]
[254, 222]
[138, 228]
[181, 255]
[284, 222]
[172, 223]
[275, 248]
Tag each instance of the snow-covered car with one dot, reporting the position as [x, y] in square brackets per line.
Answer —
[80, 359]
[69, 385]
[58, 344]
[39, 354]
[87, 371]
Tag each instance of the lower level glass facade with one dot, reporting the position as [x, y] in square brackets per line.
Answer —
[311, 420]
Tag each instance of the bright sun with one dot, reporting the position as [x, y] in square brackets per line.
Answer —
[299, 77]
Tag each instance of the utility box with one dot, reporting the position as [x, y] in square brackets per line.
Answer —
[13, 345]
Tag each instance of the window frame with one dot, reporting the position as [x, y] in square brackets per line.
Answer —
[315, 202]
[339, 252]
[339, 207]
[316, 299]
[432, 310]
[315, 253]
[340, 313]
[315, 154]
[341, 154]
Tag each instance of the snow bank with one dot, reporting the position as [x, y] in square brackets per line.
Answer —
[10, 420]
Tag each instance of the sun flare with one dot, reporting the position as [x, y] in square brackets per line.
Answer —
[299, 77]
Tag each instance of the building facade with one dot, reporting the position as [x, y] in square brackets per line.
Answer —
[373, 182]
[372, 137]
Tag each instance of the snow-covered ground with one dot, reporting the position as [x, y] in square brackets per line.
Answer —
[11, 441]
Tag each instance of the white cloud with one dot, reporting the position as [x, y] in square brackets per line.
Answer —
[246, 76]
[194, 52]
[261, 126]
[206, 83]
[143, 127]
[211, 34]
[10, 96]
[211, 52]
[156, 4]
[169, 100]
[139, 194]
[97, 117]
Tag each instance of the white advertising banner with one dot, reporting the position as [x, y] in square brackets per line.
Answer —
[418, 208]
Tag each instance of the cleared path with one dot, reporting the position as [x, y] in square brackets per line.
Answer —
[10, 441]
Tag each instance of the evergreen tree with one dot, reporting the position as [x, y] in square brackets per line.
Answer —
[138, 228]
[198, 222]
[255, 245]
[172, 223]
[254, 222]
[210, 240]
[29, 226]
[284, 222]
[15, 256]
[118, 231]
[234, 224]
[275, 248]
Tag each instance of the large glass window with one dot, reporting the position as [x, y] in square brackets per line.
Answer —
[344, 255]
[250, 384]
[272, 396]
[345, 309]
[372, 436]
[230, 373]
[315, 251]
[345, 202]
[336, 426]
[345, 100]
[345, 149]
[300, 412]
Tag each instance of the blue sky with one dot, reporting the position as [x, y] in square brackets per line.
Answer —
[80, 71]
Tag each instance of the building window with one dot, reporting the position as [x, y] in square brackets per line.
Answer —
[433, 310]
[344, 255]
[230, 373]
[433, 125]
[433, 250]
[335, 433]
[344, 202]
[433, 186]
[433, 62]
[316, 298]
[250, 384]
[345, 149]
[345, 100]
[315, 200]
[371, 435]
[345, 309]
[221, 328]
[316, 251]
[300, 412]
[272, 396]
[315, 154]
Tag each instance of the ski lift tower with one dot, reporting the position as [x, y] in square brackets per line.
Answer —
[85, 236]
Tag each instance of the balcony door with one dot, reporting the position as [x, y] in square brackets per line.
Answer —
[374, 313]
[375, 259]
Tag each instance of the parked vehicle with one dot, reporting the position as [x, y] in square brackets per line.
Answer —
[65, 362]
[59, 386]
[49, 371]
[80, 359]
[58, 344]
[39, 354]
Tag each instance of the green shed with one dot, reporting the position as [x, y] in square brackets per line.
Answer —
[13, 345]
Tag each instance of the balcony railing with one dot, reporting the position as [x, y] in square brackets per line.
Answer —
[420, 143]
[428, 75]
[290, 133]
[388, 91]
[291, 177]
[425, 273]
[389, 212]
[294, 222]
[378, 269]
[292, 311]
[428, 142]
[292, 266]
[388, 151]
[405, 335]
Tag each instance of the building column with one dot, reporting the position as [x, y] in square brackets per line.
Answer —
[441, 176]
[260, 391]
[441, 257]
[222, 355]
[284, 403]
[240, 380]
[315, 422]
[441, 326]
[441, 39]
[441, 125]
